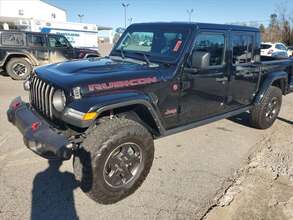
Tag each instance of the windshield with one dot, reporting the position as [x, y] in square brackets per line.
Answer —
[157, 43]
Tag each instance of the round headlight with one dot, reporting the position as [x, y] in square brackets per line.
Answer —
[59, 100]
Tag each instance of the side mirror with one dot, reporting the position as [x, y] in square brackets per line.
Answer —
[200, 60]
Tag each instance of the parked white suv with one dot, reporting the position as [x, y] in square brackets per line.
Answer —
[275, 50]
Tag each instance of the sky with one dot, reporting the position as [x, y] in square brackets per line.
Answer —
[111, 13]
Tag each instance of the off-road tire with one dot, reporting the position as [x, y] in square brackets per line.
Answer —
[258, 118]
[90, 158]
[20, 61]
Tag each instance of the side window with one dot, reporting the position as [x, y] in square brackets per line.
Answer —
[212, 43]
[280, 47]
[34, 40]
[58, 42]
[242, 48]
[12, 39]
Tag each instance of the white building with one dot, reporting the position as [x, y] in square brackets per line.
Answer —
[36, 15]
[31, 9]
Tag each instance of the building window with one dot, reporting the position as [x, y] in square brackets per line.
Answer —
[20, 12]
[53, 15]
[85, 27]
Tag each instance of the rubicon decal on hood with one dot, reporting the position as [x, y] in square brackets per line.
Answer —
[122, 84]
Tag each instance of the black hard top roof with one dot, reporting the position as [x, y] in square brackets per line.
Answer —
[200, 25]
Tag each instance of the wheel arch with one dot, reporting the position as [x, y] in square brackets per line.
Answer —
[138, 110]
[278, 79]
[30, 59]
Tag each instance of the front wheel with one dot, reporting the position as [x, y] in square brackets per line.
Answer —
[264, 115]
[114, 160]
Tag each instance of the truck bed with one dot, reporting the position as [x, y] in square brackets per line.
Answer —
[272, 64]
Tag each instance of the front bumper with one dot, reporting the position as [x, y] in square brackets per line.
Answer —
[38, 135]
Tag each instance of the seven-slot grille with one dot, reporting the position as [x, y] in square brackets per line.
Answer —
[41, 95]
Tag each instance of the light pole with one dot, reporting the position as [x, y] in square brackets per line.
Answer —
[189, 12]
[125, 7]
[130, 20]
[80, 17]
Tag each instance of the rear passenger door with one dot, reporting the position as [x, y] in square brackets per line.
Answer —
[244, 71]
[36, 45]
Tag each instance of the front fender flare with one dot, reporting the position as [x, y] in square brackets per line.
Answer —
[107, 102]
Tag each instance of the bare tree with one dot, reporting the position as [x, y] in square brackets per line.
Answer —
[280, 28]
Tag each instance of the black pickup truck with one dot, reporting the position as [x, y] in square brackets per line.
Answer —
[160, 78]
[21, 51]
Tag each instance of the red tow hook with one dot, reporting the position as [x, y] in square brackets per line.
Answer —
[35, 125]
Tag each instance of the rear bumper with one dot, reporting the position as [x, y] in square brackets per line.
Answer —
[38, 135]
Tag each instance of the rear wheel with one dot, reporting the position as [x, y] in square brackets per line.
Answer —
[264, 115]
[18, 68]
[114, 160]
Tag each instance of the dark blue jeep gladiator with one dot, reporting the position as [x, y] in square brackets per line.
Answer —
[160, 78]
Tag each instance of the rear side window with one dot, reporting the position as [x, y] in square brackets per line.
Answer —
[34, 40]
[265, 46]
[242, 48]
[212, 43]
[12, 39]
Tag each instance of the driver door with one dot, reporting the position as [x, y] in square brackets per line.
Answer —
[59, 48]
[204, 90]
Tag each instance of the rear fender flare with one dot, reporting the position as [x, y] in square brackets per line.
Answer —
[268, 81]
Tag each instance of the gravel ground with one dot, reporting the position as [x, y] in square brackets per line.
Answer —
[191, 171]
[264, 188]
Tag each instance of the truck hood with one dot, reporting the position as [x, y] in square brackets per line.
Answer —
[93, 70]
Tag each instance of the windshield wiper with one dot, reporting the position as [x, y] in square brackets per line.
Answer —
[145, 57]
[122, 52]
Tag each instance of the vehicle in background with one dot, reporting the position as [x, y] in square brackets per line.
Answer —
[118, 32]
[77, 38]
[275, 50]
[290, 51]
[21, 51]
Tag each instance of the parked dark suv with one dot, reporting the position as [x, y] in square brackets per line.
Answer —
[21, 51]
